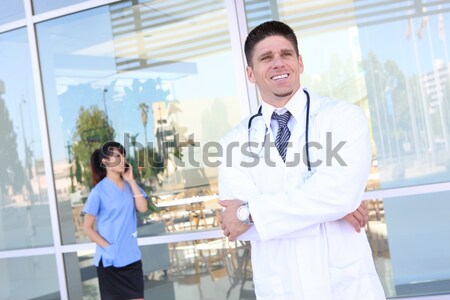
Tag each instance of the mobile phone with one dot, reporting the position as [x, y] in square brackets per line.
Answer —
[127, 166]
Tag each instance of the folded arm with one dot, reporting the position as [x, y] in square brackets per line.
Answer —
[329, 194]
[332, 193]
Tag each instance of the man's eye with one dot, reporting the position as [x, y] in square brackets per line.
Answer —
[265, 58]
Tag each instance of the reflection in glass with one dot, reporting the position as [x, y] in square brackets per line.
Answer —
[11, 11]
[413, 258]
[41, 6]
[33, 277]
[154, 76]
[392, 60]
[182, 270]
[407, 89]
[24, 210]
[377, 236]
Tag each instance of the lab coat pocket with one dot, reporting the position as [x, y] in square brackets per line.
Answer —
[269, 288]
[345, 281]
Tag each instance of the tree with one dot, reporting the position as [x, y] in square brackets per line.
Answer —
[153, 164]
[78, 172]
[92, 130]
[398, 114]
[11, 171]
[147, 92]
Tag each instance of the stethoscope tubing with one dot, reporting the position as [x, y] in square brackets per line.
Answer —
[259, 114]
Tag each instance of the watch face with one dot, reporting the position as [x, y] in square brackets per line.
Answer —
[243, 213]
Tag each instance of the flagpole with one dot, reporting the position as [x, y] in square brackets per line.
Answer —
[377, 110]
[444, 41]
[428, 141]
[411, 104]
[437, 84]
[447, 66]
[444, 37]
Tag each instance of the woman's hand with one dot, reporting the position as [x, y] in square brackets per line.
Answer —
[128, 174]
[108, 256]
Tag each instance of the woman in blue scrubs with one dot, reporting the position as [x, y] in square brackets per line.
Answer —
[110, 222]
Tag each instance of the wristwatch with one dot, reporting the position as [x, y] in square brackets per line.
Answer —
[243, 214]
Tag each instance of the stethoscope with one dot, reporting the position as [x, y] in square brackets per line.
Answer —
[259, 114]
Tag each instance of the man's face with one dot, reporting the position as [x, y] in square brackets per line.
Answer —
[276, 70]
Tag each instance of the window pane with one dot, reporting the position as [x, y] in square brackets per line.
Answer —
[413, 259]
[183, 270]
[41, 6]
[11, 11]
[394, 63]
[377, 235]
[390, 61]
[33, 277]
[24, 210]
[158, 78]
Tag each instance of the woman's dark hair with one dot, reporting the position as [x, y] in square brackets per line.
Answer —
[266, 29]
[106, 150]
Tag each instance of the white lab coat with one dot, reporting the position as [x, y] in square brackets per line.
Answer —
[300, 248]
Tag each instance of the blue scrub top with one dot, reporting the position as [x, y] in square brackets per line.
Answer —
[115, 215]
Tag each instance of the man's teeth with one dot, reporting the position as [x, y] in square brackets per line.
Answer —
[280, 76]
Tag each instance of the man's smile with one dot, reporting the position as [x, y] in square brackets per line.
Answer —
[280, 76]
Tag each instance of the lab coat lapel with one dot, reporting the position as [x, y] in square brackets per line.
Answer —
[268, 173]
[257, 133]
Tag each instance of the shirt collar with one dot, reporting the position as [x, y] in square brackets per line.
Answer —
[295, 106]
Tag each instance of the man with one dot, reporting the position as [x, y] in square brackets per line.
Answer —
[298, 216]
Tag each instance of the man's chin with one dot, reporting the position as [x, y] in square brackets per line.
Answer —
[284, 94]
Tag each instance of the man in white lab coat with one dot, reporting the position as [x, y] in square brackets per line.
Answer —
[301, 222]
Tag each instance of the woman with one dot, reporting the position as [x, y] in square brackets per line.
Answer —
[110, 222]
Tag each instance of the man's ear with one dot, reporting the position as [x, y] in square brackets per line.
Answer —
[300, 63]
[250, 74]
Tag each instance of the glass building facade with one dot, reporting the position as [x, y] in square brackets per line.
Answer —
[167, 80]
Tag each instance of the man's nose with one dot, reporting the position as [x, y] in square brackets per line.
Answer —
[277, 61]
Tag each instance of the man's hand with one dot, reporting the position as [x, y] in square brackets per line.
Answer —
[358, 219]
[231, 225]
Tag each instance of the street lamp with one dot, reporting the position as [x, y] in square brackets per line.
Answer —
[25, 145]
[69, 152]
[105, 90]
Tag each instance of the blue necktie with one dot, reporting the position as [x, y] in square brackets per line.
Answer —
[283, 134]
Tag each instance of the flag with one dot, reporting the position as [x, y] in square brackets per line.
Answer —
[423, 25]
[408, 24]
[441, 27]
[408, 28]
